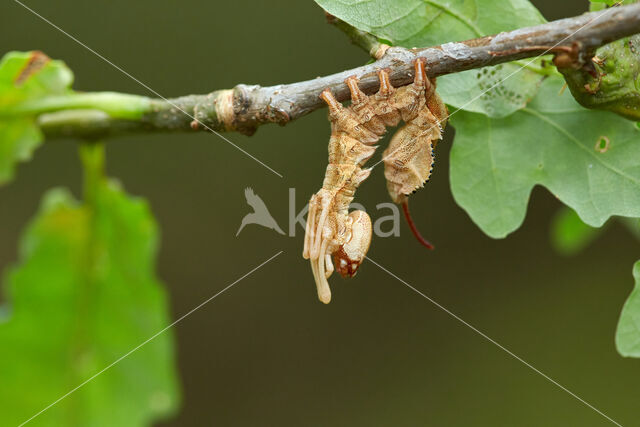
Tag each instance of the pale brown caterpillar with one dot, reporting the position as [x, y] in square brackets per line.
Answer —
[331, 229]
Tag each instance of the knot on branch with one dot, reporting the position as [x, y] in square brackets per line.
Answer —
[378, 51]
[574, 56]
[243, 109]
[224, 109]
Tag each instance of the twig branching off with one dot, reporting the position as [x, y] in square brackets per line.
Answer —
[246, 107]
[366, 41]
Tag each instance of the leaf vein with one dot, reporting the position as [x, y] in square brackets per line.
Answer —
[573, 139]
[456, 15]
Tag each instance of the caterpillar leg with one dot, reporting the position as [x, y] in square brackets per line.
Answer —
[344, 120]
[385, 108]
[363, 106]
[328, 266]
[321, 266]
[411, 99]
[358, 97]
[309, 231]
[386, 88]
[322, 285]
[433, 101]
[435, 104]
[319, 237]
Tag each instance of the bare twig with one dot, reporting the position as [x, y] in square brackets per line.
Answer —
[246, 107]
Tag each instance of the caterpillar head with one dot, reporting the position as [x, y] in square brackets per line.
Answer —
[349, 256]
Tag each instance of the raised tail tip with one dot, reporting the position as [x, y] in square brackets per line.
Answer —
[424, 242]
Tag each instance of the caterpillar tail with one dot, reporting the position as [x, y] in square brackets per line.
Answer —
[412, 225]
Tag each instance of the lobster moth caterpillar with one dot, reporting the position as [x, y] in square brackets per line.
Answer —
[333, 232]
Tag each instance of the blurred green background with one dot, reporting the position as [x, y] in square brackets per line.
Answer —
[266, 352]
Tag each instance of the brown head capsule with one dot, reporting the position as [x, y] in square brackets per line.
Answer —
[350, 255]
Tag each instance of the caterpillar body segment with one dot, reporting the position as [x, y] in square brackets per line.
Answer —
[409, 158]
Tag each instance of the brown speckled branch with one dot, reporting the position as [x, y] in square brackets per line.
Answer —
[246, 107]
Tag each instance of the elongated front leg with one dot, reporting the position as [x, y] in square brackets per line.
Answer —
[328, 266]
[325, 203]
[320, 230]
[318, 267]
[311, 219]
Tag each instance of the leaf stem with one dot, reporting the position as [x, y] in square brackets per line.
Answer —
[92, 155]
[116, 105]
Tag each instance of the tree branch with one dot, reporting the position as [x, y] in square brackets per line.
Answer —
[246, 107]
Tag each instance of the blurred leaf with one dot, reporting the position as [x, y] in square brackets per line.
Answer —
[628, 332]
[602, 4]
[569, 234]
[555, 142]
[596, 3]
[19, 138]
[423, 23]
[25, 76]
[632, 225]
[28, 75]
[84, 295]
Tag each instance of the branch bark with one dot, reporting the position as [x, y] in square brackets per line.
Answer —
[246, 107]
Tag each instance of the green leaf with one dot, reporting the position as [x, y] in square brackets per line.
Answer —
[569, 234]
[422, 23]
[84, 295]
[602, 4]
[628, 332]
[554, 142]
[496, 91]
[632, 225]
[29, 75]
[18, 139]
[25, 76]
